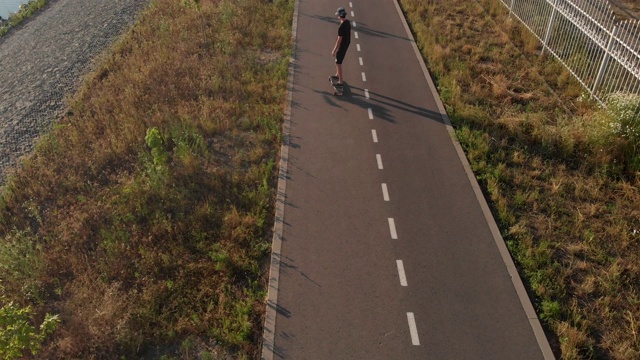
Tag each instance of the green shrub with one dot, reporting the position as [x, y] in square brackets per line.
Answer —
[21, 262]
[624, 113]
[616, 130]
[17, 335]
[156, 168]
[550, 311]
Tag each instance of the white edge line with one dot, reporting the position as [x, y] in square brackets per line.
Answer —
[401, 274]
[541, 338]
[269, 331]
[415, 340]
[392, 229]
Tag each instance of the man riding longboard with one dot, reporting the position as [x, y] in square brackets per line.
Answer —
[340, 49]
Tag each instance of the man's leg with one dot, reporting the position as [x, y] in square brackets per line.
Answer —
[339, 57]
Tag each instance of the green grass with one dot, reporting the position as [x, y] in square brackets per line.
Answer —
[559, 172]
[146, 211]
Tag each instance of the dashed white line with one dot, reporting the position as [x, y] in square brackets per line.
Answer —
[401, 273]
[358, 47]
[366, 93]
[352, 15]
[413, 329]
[374, 135]
[392, 229]
[353, 23]
[385, 192]
[350, 4]
[364, 77]
[379, 160]
[355, 33]
[370, 113]
[360, 60]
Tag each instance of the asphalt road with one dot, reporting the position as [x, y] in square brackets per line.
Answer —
[384, 250]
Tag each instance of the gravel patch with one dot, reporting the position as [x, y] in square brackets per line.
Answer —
[44, 59]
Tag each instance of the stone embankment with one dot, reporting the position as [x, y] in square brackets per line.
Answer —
[43, 60]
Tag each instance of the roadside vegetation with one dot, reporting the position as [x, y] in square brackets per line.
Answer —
[25, 12]
[140, 226]
[561, 173]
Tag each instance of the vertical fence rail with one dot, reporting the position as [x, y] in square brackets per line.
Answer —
[602, 53]
[554, 12]
[605, 60]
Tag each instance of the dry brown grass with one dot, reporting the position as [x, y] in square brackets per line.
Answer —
[569, 215]
[149, 205]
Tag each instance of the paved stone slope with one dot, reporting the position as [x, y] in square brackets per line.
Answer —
[44, 60]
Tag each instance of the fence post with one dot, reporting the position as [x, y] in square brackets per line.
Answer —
[551, 21]
[605, 60]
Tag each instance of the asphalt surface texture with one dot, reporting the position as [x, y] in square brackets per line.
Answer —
[385, 250]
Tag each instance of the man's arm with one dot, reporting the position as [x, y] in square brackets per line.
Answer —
[335, 48]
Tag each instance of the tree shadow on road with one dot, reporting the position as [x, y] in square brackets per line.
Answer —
[364, 29]
[360, 26]
[356, 99]
[379, 104]
[379, 101]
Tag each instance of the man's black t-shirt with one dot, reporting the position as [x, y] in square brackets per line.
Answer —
[345, 31]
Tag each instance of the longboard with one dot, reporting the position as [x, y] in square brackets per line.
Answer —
[339, 89]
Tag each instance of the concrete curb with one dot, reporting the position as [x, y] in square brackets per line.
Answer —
[541, 338]
[269, 332]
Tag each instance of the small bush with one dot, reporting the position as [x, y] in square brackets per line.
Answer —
[615, 130]
[17, 335]
[623, 111]
[21, 262]
[550, 311]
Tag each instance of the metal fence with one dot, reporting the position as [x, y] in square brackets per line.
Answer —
[584, 35]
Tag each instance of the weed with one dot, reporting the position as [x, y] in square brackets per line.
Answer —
[550, 311]
[21, 263]
[17, 335]
[620, 127]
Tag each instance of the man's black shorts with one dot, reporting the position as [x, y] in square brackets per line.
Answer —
[340, 55]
